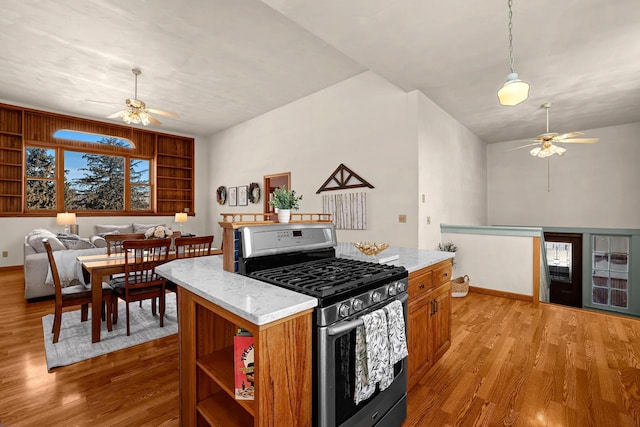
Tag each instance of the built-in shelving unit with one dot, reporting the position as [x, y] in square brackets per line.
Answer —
[172, 155]
[175, 180]
[282, 367]
[11, 160]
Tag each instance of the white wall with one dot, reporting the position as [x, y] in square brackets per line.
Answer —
[501, 263]
[361, 122]
[591, 185]
[452, 174]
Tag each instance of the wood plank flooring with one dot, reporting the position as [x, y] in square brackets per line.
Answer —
[509, 364]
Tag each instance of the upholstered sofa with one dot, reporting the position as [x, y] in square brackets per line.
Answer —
[37, 278]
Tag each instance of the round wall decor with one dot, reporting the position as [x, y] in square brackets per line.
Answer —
[254, 192]
[221, 195]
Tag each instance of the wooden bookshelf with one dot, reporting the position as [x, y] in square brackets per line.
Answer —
[283, 397]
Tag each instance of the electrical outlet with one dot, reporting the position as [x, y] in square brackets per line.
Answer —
[5, 254]
[402, 218]
[428, 220]
[423, 198]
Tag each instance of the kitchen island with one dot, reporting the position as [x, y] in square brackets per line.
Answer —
[212, 305]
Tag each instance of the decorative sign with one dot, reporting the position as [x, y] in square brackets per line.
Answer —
[343, 178]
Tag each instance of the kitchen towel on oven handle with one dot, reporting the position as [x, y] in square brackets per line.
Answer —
[372, 356]
[397, 336]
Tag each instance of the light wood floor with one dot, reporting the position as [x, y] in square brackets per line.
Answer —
[509, 364]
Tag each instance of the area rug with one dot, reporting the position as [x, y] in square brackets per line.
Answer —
[75, 344]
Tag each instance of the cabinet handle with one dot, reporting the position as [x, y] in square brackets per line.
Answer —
[422, 286]
[433, 308]
[437, 307]
[446, 274]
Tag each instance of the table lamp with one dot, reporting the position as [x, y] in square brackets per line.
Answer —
[181, 218]
[66, 219]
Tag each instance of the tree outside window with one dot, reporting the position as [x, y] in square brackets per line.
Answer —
[92, 182]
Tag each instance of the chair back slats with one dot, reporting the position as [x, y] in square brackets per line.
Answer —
[114, 241]
[141, 258]
[189, 247]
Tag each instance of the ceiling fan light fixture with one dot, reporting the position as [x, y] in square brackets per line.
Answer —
[514, 91]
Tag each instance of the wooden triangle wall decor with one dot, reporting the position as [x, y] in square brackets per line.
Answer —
[343, 178]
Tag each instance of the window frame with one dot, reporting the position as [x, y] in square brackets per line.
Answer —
[60, 147]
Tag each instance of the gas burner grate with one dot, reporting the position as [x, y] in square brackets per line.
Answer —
[328, 277]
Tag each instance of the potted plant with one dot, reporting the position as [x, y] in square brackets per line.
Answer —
[284, 201]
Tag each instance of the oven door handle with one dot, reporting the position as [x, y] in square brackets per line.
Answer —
[342, 327]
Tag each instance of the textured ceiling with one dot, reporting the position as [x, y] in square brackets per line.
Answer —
[218, 63]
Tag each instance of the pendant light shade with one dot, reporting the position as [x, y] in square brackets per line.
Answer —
[514, 91]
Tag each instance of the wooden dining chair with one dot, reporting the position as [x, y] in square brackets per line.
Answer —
[140, 281]
[74, 295]
[189, 247]
[114, 241]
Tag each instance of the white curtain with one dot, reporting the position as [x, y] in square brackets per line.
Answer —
[348, 210]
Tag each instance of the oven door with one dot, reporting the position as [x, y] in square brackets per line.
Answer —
[335, 380]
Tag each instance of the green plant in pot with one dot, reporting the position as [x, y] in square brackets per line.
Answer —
[284, 201]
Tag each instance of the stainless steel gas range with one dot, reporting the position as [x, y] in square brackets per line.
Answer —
[301, 257]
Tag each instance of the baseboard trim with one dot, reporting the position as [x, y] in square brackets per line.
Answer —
[11, 268]
[502, 294]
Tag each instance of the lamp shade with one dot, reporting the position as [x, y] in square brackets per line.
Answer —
[66, 218]
[514, 91]
[181, 217]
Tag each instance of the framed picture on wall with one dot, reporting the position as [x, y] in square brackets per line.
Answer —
[232, 196]
[242, 195]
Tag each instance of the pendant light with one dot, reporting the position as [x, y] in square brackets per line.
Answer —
[514, 90]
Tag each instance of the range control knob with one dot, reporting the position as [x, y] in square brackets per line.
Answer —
[401, 287]
[343, 310]
[357, 304]
[376, 296]
[392, 289]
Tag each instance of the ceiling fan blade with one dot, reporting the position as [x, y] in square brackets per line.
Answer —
[162, 113]
[154, 120]
[568, 135]
[114, 115]
[523, 146]
[580, 141]
[103, 102]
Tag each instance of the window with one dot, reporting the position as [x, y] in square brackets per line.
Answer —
[610, 271]
[74, 135]
[90, 181]
[41, 173]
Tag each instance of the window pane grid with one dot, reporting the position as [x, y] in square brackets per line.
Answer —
[610, 267]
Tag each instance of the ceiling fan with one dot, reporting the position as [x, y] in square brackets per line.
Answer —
[136, 111]
[546, 142]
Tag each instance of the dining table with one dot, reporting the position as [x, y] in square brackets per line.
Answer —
[103, 265]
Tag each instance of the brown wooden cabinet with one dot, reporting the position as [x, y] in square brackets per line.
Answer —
[282, 367]
[429, 319]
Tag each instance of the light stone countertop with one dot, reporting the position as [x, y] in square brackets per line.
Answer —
[258, 302]
[409, 258]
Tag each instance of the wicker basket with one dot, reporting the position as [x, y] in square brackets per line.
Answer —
[460, 286]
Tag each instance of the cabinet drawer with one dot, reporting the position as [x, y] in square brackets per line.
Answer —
[442, 274]
[420, 283]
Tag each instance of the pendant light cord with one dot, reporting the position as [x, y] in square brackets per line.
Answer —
[510, 36]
